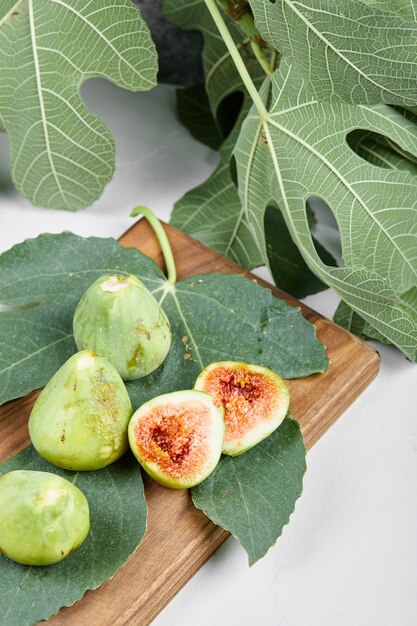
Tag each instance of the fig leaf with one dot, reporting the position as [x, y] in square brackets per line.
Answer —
[118, 523]
[253, 495]
[298, 145]
[296, 150]
[405, 8]
[353, 51]
[213, 213]
[346, 317]
[62, 156]
[41, 282]
[213, 317]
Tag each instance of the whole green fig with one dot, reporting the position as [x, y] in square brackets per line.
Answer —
[79, 421]
[119, 319]
[43, 517]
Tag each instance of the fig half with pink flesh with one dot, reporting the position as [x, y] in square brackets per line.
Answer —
[178, 437]
[255, 401]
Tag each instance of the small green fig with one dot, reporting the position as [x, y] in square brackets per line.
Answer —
[178, 437]
[119, 319]
[43, 517]
[79, 421]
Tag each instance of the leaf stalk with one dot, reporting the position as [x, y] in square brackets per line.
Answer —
[237, 59]
[261, 58]
[162, 240]
[241, 14]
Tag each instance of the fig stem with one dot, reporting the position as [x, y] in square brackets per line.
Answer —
[237, 59]
[162, 239]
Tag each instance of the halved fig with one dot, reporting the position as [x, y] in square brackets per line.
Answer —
[255, 401]
[178, 437]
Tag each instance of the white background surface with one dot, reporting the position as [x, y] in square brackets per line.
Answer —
[349, 556]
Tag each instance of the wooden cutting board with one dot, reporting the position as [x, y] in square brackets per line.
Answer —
[180, 538]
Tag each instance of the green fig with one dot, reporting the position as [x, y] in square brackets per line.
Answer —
[79, 421]
[43, 517]
[178, 437]
[118, 318]
[255, 401]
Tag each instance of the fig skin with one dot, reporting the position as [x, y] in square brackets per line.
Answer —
[255, 400]
[119, 319]
[43, 517]
[79, 421]
[178, 438]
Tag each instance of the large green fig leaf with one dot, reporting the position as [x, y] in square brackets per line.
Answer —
[345, 50]
[118, 523]
[213, 212]
[262, 484]
[62, 156]
[297, 149]
[213, 317]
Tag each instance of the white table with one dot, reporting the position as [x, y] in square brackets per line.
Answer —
[349, 556]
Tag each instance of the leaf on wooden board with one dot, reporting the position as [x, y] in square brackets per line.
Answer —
[218, 317]
[41, 282]
[213, 317]
[254, 494]
[193, 111]
[118, 523]
[62, 156]
[345, 50]
[296, 150]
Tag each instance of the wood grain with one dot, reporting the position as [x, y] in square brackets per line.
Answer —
[180, 538]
